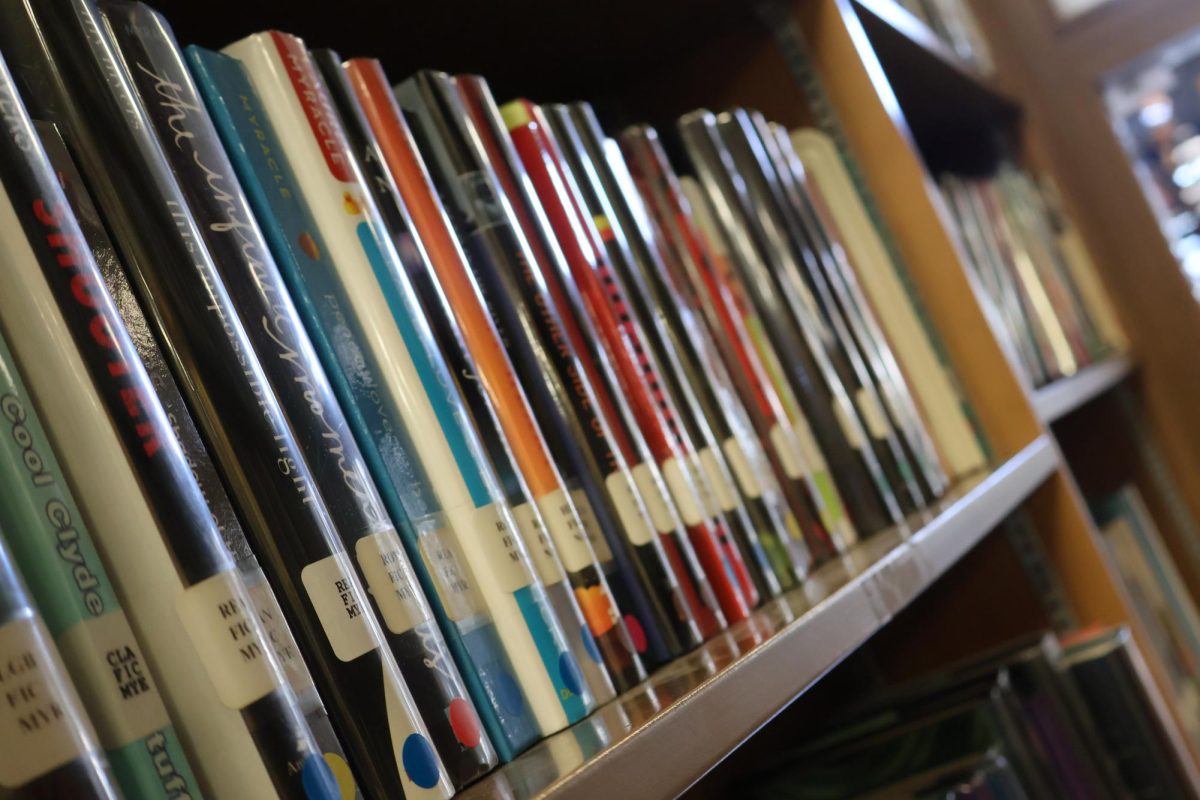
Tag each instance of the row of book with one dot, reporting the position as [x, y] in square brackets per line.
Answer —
[1078, 718]
[955, 24]
[357, 436]
[1040, 283]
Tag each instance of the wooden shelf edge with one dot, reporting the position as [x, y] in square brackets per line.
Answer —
[742, 679]
[922, 37]
[1058, 399]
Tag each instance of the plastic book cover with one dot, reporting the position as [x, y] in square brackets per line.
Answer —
[803, 363]
[480, 525]
[50, 748]
[803, 292]
[580, 597]
[123, 461]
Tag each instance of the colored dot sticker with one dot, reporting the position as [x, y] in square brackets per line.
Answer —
[636, 632]
[420, 762]
[463, 722]
[569, 671]
[318, 780]
[343, 776]
[509, 694]
[589, 645]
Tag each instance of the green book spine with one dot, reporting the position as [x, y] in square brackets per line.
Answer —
[54, 551]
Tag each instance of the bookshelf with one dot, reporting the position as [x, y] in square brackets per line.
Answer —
[1058, 399]
[907, 105]
[737, 682]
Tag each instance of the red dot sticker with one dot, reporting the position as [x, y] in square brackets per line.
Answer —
[636, 633]
[464, 723]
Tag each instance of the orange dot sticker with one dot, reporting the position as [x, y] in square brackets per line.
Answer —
[350, 203]
[597, 609]
[464, 723]
[309, 245]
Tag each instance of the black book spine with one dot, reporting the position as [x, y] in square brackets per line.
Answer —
[284, 741]
[266, 606]
[261, 300]
[238, 415]
[867, 506]
[692, 353]
[50, 750]
[499, 263]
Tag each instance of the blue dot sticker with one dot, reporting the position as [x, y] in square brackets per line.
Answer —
[420, 762]
[509, 693]
[318, 780]
[589, 645]
[569, 671]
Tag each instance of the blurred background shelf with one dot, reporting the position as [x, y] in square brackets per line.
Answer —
[632, 748]
[1058, 399]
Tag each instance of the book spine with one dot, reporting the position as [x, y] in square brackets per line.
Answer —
[589, 632]
[265, 604]
[709, 470]
[251, 442]
[358, 379]
[260, 299]
[823, 400]
[696, 358]
[804, 297]
[412, 179]
[485, 303]
[479, 521]
[50, 749]
[53, 547]
[728, 309]
[642, 379]
[123, 460]
[658, 229]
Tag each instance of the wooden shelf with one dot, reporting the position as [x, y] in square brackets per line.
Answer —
[1058, 399]
[645, 744]
[957, 116]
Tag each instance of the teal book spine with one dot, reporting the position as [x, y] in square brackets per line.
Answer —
[54, 551]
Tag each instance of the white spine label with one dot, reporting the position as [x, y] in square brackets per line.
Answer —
[35, 706]
[683, 491]
[113, 674]
[639, 525]
[872, 413]
[724, 492]
[743, 470]
[390, 580]
[337, 599]
[790, 450]
[445, 564]
[227, 639]
[280, 637]
[844, 412]
[565, 524]
[708, 493]
[591, 526]
[501, 546]
[537, 541]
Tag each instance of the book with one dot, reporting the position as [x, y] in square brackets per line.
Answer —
[802, 365]
[642, 379]
[633, 239]
[264, 604]
[1160, 599]
[51, 544]
[805, 199]
[251, 442]
[543, 294]
[733, 465]
[481, 524]
[579, 594]
[50, 748]
[930, 377]
[360, 381]
[158, 540]
[804, 292]
[261, 300]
